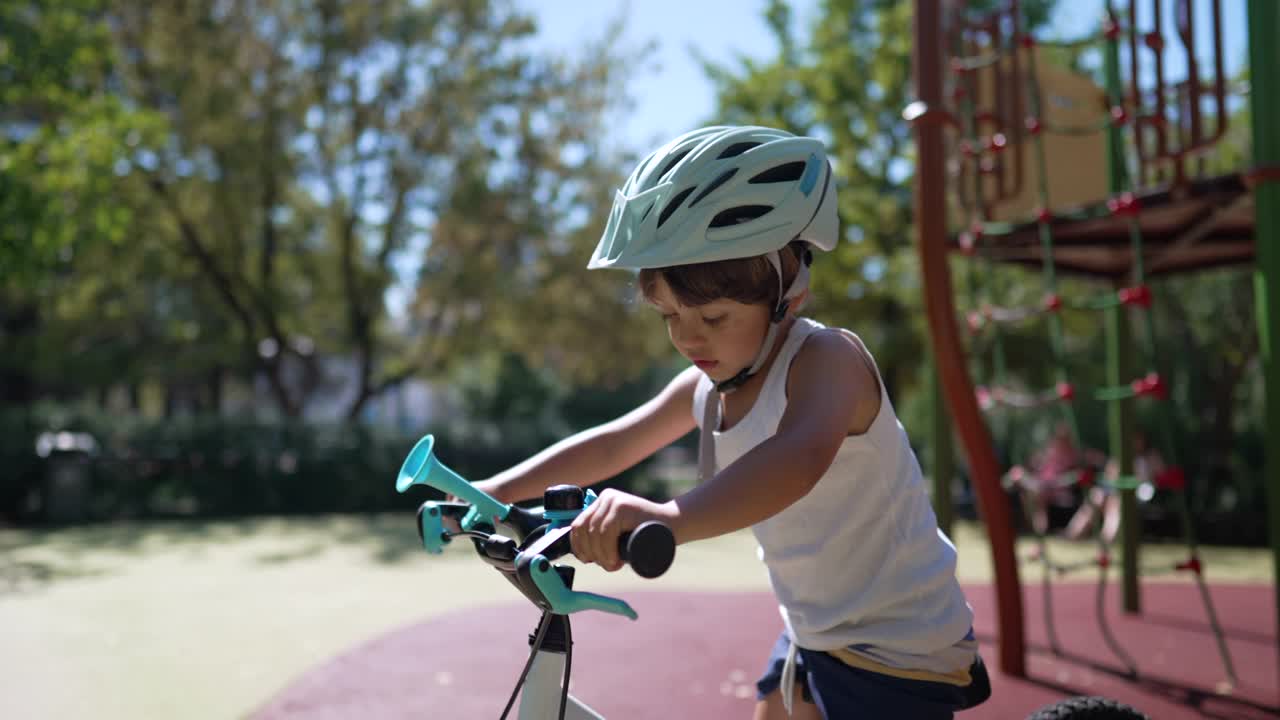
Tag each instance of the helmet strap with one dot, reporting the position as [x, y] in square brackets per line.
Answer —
[711, 408]
[798, 286]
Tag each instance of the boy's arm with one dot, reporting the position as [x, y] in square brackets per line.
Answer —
[821, 406]
[605, 450]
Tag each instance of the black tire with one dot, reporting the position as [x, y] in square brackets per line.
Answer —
[1088, 708]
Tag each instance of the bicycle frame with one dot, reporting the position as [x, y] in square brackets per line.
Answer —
[544, 682]
[543, 688]
[541, 696]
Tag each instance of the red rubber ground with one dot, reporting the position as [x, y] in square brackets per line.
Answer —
[697, 655]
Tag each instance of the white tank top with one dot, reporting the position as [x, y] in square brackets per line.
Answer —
[859, 561]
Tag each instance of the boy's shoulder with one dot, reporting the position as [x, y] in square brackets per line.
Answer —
[829, 349]
[833, 342]
[818, 327]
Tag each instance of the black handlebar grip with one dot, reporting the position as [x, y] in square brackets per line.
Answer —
[649, 549]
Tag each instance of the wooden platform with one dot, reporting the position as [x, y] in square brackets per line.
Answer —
[1205, 225]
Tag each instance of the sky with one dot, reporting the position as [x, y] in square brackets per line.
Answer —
[671, 92]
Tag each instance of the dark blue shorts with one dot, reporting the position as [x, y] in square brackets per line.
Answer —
[842, 691]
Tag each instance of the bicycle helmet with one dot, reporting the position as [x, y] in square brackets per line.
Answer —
[721, 193]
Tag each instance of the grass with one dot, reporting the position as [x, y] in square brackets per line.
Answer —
[209, 619]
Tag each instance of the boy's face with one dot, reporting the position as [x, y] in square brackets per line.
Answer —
[721, 337]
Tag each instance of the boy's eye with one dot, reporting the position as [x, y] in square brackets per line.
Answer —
[713, 321]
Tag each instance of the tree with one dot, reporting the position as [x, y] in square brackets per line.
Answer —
[506, 267]
[297, 156]
[62, 139]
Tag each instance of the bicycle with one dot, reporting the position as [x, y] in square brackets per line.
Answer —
[528, 562]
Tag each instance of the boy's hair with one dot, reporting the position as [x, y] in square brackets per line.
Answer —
[751, 281]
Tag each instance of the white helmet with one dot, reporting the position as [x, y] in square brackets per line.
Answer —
[720, 193]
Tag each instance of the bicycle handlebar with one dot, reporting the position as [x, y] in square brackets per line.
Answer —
[542, 535]
[649, 549]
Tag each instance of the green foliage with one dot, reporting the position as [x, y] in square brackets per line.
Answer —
[199, 190]
[63, 138]
[1209, 345]
[197, 193]
[216, 467]
[64, 146]
[528, 407]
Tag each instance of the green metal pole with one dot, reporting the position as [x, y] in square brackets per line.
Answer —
[943, 453]
[1264, 98]
[1118, 412]
[1119, 350]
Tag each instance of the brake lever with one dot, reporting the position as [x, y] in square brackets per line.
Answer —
[539, 579]
[560, 599]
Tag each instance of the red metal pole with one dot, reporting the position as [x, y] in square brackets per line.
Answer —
[927, 116]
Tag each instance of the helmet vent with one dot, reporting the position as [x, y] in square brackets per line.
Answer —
[740, 214]
[678, 157]
[736, 149]
[787, 172]
[724, 177]
[675, 203]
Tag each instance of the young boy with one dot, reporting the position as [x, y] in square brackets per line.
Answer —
[799, 440]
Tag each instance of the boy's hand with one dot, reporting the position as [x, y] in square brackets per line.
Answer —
[488, 486]
[594, 534]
